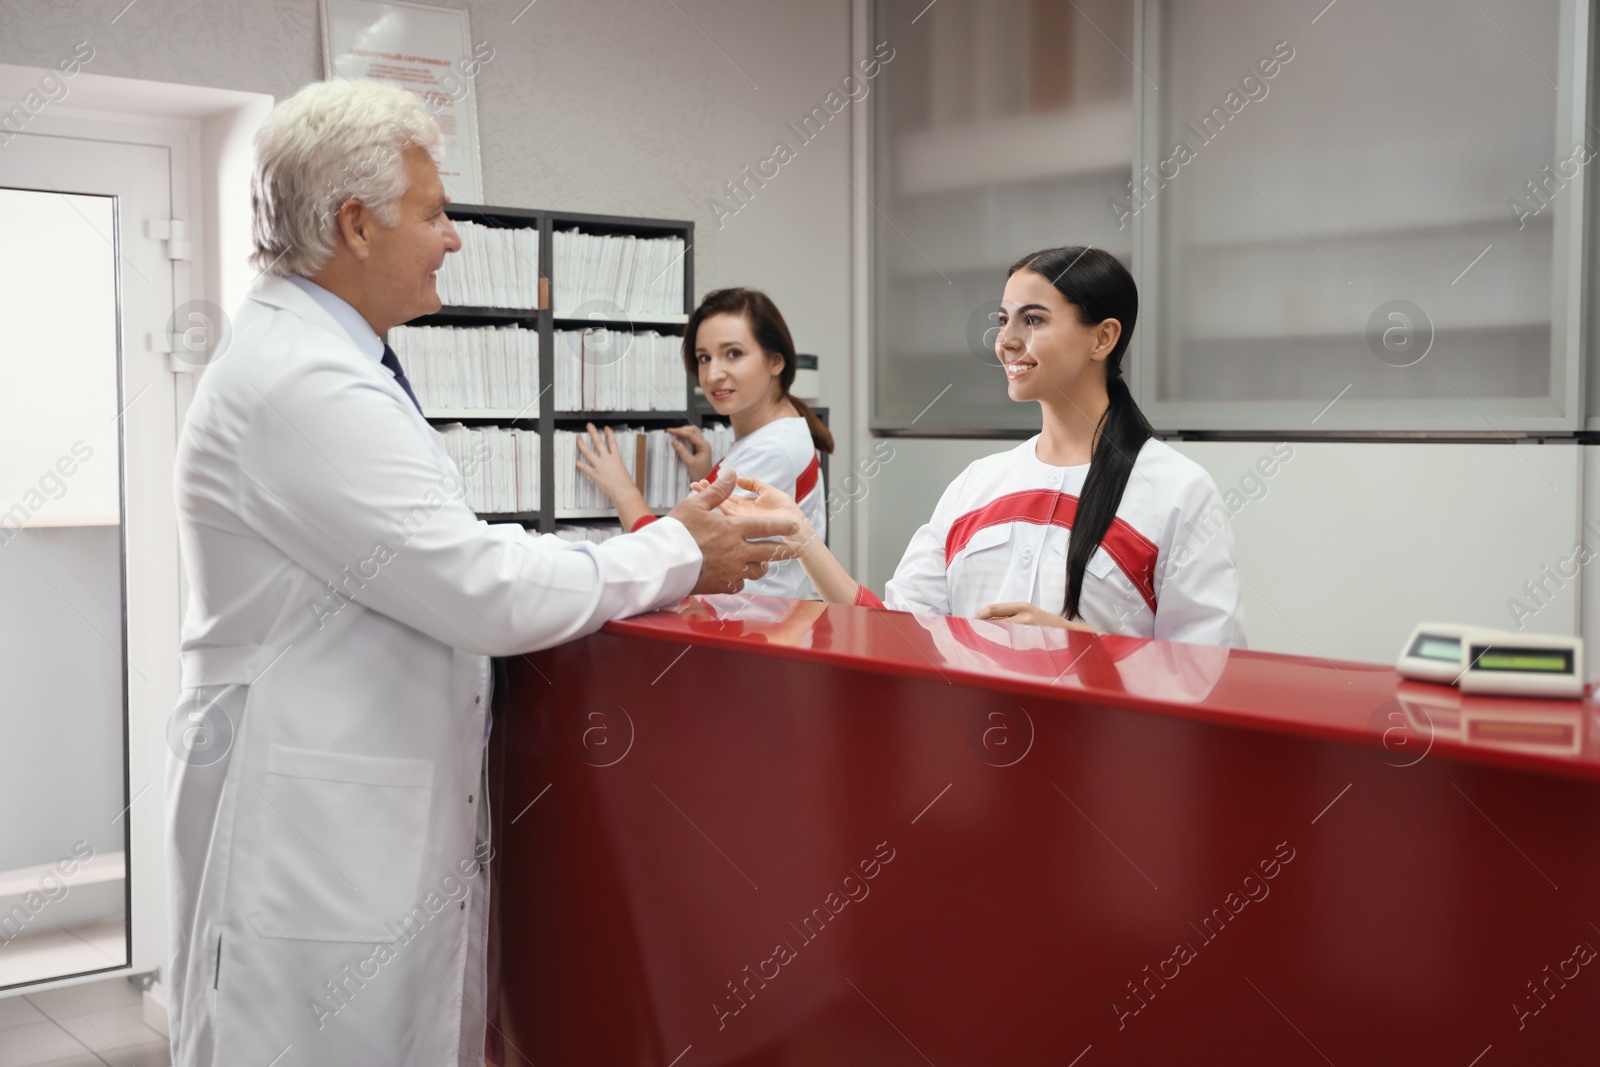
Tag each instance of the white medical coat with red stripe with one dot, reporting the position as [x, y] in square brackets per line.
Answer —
[783, 455]
[1000, 533]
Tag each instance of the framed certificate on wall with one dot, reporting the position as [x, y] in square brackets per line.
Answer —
[427, 50]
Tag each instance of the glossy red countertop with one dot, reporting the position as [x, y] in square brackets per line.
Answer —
[1363, 703]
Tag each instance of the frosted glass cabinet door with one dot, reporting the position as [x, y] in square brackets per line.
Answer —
[999, 128]
[1363, 219]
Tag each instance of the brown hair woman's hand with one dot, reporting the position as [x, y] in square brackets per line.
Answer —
[693, 448]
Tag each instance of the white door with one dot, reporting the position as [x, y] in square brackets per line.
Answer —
[88, 554]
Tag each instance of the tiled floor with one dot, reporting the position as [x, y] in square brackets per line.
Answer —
[63, 950]
[100, 1024]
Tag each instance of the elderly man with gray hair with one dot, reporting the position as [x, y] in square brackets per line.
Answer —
[327, 839]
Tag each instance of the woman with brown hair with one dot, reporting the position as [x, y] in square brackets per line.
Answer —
[739, 349]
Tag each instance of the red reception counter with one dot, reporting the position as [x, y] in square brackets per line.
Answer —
[759, 832]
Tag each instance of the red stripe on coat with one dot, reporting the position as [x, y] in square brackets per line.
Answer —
[1131, 550]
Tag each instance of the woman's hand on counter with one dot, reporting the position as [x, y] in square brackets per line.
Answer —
[1029, 615]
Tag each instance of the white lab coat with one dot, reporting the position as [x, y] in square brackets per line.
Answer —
[326, 831]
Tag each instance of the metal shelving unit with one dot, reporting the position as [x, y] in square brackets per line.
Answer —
[546, 321]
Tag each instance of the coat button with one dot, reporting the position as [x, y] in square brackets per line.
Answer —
[469, 798]
[478, 699]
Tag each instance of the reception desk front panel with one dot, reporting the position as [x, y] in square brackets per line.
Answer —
[759, 832]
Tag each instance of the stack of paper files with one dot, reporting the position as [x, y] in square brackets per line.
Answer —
[476, 368]
[497, 267]
[625, 274]
[665, 482]
[594, 535]
[499, 467]
[613, 370]
[719, 435]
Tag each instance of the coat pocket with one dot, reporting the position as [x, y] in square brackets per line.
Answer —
[981, 573]
[987, 548]
[1100, 564]
[338, 846]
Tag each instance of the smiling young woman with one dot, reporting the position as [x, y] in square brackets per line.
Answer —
[1090, 524]
[739, 349]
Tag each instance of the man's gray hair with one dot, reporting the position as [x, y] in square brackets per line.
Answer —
[330, 142]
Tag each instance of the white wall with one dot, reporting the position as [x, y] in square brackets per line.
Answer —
[610, 106]
[1350, 545]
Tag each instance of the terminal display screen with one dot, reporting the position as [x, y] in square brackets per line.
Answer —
[1526, 660]
[1431, 646]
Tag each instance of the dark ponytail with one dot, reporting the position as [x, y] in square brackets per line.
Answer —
[1099, 288]
[771, 333]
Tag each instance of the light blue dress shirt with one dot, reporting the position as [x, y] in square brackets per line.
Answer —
[360, 331]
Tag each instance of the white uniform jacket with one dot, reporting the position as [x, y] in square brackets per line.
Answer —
[325, 810]
[1000, 532]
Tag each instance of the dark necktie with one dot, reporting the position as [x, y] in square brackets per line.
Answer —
[392, 361]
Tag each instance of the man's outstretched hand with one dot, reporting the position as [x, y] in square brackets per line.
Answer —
[769, 502]
[731, 553]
